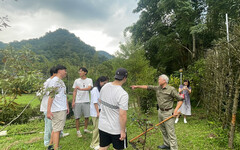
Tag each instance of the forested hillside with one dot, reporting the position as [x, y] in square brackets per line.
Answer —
[61, 44]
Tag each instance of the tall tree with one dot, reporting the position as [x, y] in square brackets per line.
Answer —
[164, 28]
[177, 32]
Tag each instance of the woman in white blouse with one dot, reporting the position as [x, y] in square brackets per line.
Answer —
[95, 110]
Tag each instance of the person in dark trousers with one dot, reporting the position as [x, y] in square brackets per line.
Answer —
[165, 98]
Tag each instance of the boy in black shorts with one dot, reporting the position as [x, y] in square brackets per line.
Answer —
[113, 115]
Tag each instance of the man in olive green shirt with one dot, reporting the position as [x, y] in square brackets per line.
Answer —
[165, 97]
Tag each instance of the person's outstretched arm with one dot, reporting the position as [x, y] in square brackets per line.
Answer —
[139, 86]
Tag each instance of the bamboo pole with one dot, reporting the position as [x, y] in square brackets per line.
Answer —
[234, 112]
[150, 128]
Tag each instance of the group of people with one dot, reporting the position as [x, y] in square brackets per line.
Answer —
[108, 108]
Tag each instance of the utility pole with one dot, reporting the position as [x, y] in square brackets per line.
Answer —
[227, 28]
[180, 70]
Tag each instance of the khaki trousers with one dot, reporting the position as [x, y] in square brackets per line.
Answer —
[95, 137]
[167, 129]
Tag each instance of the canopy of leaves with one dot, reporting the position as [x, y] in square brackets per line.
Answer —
[18, 74]
[168, 29]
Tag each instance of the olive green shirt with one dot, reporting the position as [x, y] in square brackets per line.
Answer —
[165, 96]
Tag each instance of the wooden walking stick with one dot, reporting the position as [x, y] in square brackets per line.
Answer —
[150, 129]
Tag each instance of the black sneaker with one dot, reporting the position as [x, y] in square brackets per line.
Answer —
[50, 147]
[163, 147]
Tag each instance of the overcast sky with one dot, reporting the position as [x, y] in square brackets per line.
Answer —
[99, 23]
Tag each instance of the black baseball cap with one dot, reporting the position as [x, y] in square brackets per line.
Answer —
[121, 73]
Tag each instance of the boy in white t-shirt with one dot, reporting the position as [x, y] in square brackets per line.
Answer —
[113, 115]
[57, 109]
[43, 108]
[81, 101]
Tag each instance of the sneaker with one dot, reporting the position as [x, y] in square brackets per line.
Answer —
[50, 147]
[97, 147]
[87, 131]
[163, 147]
[79, 134]
[176, 121]
[65, 134]
[91, 146]
[185, 120]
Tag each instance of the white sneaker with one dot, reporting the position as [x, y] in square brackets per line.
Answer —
[176, 121]
[91, 147]
[87, 131]
[79, 134]
[97, 147]
[65, 134]
[185, 120]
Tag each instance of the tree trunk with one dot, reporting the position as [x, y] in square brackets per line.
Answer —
[234, 112]
[228, 104]
[194, 46]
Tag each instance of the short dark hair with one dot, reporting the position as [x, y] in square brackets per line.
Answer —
[84, 69]
[100, 79]
[53, 70]
[60, 67]
[187, 82]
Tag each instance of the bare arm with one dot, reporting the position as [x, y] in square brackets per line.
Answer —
[67, 107]
[84, 89]
[97, 109]
[49, 113]
[123, 121]
[179, 104]
[180, 90]
[189, 91]
[74, 97]
[139, 86]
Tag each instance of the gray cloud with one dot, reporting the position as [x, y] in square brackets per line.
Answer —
[109, 16]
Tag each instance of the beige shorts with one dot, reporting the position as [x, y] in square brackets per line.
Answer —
[58, 120]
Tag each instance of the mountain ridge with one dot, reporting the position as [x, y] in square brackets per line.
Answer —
[59, 44]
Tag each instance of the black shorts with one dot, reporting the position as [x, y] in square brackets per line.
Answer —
[106, 139]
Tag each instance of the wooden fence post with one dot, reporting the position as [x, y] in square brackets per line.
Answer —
[234, 112]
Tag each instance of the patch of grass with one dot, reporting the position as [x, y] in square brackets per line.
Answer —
[25, 98]
[197, 134]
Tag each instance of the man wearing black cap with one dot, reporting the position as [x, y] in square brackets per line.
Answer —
[113, 115]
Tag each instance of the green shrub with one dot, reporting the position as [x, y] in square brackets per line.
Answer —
[149, 102]
[8, 114]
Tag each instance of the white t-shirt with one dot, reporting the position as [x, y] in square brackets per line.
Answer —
[113, 97]
[82, 96]
[94, 99]
[60, 98]
[44, 103]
